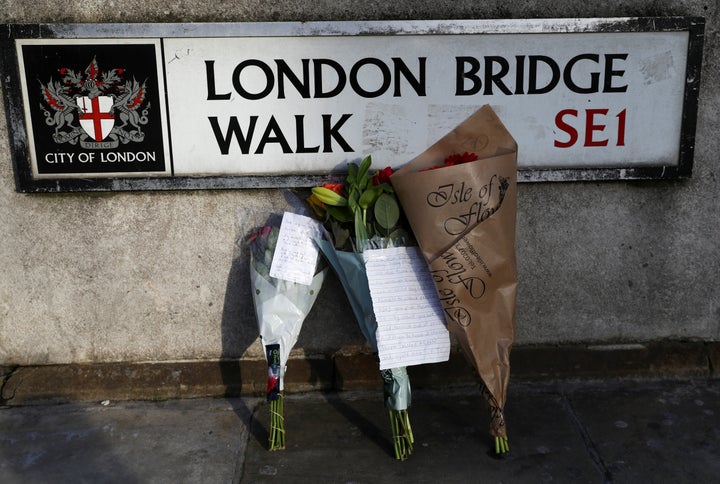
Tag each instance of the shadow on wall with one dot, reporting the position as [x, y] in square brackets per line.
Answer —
[238, 327]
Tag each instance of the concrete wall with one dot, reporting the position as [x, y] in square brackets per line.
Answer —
[156, 276]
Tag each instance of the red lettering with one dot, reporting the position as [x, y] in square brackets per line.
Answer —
[561, 124]
[621, 128]
[590, 127]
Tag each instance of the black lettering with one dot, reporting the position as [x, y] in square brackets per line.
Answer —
[318, 72]
[284, 71]
[520, 74]
[210, 73]
[273, 128]
[333, 132]
[496, 77]
[461, 74]
[610, 73]
[418, 84]
[300, 136]
[532, 78]
[235, 131]
[269, 79]
[594, 76]
[384, 71]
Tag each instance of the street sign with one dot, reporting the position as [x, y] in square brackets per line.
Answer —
[174, 106]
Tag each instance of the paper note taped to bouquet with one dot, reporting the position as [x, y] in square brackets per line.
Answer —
[296, 254]
[411, 326]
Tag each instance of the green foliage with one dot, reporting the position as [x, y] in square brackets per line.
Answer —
[366, 209]
[262, 244]
[387, 211]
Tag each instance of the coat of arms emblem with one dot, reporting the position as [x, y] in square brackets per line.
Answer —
[97, 109]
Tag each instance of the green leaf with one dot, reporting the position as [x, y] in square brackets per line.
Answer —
[385, 187]
[273, 238]
[364, 166]
[368, 197]
[353, 200]
[363, 175]
[340, 214]
[402, 237]
[387, 211]
[340, 235]
[352, 174]
[361, 234]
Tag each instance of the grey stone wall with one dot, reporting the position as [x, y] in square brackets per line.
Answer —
[155, 276]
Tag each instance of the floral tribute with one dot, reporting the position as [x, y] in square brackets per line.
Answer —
[363, 213]
[460, 199]
[281, 307]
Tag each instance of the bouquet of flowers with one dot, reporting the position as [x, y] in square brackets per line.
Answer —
[281, 306]
[460, 200]
[362, 213]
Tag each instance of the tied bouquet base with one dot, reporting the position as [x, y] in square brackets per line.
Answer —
[501, 445]
[276, 441]
[396, 390]
[498, 430]
[403, 439]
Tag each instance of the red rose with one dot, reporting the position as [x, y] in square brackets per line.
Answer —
[382, 176]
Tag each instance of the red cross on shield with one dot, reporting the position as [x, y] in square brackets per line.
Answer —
[95, 116]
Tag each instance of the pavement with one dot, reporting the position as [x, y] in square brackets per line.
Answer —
[564, 431]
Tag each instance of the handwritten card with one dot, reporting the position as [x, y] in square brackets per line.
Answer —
[411, 326]
[296, 254]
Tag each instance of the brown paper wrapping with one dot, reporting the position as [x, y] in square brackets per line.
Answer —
[463, 217]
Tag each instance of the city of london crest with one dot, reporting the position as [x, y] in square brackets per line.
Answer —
[96, 109]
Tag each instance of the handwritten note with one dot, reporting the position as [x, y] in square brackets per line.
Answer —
[411, 327]
[296, 254]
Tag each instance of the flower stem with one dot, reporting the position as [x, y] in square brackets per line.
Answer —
[501, 445]
[277, 424]
[403, 438]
